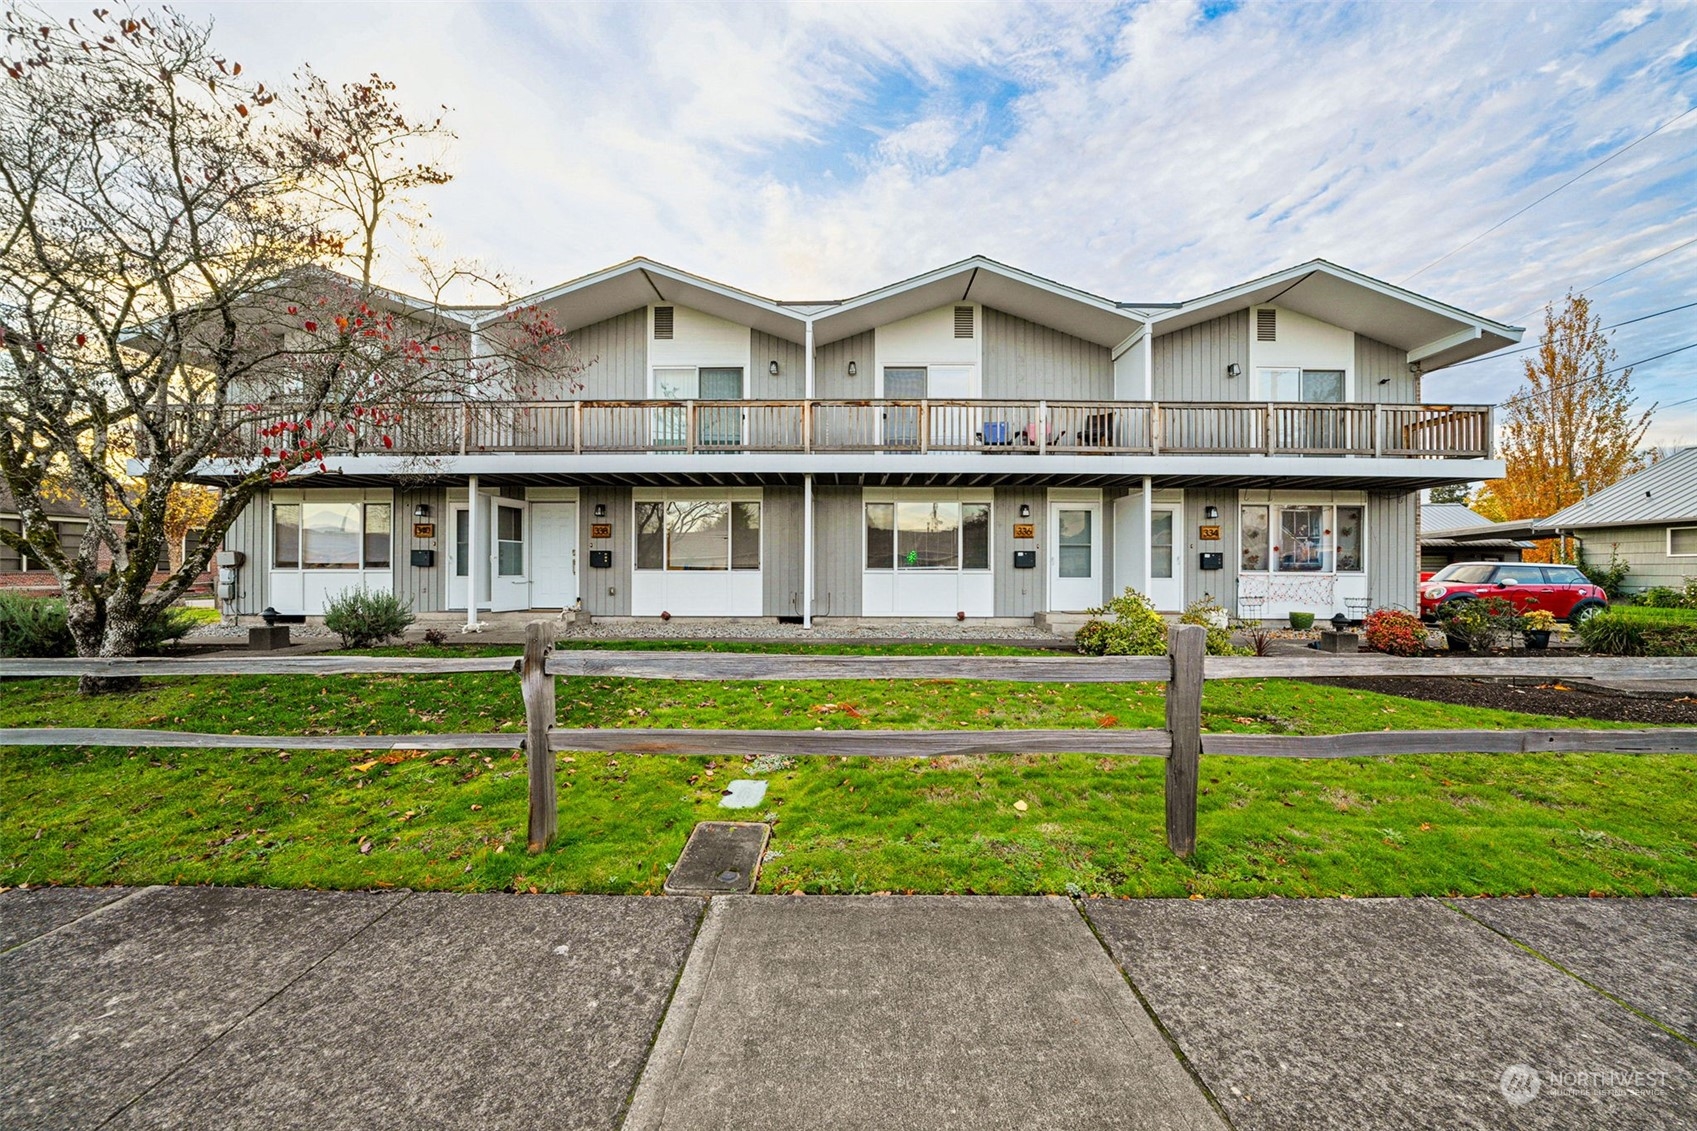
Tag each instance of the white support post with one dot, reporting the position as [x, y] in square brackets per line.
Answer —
[1147, 348]
[807, 539]
[471, 624]
[807, 387]
[1147, 508]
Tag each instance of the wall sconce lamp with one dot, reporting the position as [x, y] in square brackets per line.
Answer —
[600, 510]
[1025, 510]
[772, 369]
[854, 369]
[1234, 370]
[421, 511]
[1210, 513]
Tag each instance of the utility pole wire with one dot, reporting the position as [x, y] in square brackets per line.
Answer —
[1549, 194]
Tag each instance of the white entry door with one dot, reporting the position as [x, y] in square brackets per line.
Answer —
[1166, 575]
[509, 556]
[553, 555]
[1075, 556]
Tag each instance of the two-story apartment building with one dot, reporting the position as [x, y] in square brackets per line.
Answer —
[976, 441]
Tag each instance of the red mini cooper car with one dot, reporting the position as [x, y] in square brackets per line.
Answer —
[1561, 589]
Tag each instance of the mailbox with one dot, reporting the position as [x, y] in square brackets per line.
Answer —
[600, 559]
[424, 559]
[1212, 560]
[1025, 559]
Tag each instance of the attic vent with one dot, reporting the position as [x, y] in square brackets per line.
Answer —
[1266, 325]
[662, 323]
[963, 321]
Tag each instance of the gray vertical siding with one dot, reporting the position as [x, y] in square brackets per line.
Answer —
[249, 535]
[595, 582]
[1019, 592]
[1393, 548]
[781, 551]
[1645, 549]
[830, 373]
[425, 589]
[1375, 362]
[1190, 364]
[1221, 584]
[836, 551]
[1023, 359]
[617, 350]
[791, 381]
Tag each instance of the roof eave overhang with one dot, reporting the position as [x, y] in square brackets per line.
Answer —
[639, 283]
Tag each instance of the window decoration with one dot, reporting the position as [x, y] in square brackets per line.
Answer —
[1302, 538]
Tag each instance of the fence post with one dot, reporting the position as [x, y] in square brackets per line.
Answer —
[538, 688]
[1185, 647]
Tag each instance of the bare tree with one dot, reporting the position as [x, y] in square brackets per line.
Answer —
[188, 263]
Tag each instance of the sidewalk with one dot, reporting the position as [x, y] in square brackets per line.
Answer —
[208, 1007]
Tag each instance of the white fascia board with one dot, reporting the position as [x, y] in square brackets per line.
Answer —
[1389, 290]
[1137, 336]
[1447, 343]
[1002, 464]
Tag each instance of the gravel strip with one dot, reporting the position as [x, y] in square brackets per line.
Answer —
[758, 630]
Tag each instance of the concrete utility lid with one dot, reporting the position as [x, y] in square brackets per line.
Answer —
[721, 858]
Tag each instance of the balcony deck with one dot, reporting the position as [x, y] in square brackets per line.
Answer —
[841, 427]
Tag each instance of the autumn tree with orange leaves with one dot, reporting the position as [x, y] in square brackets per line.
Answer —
[1573, 430]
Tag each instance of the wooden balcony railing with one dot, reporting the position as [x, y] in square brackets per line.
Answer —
[1039, 427]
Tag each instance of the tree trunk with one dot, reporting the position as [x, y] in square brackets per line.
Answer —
[112, 628]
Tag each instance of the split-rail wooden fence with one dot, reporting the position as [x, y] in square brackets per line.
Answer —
[1182, 743]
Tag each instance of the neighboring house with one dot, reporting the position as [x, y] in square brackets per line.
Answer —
[1440, 523]
[26, 574]
[975, 440]
[1648, 520]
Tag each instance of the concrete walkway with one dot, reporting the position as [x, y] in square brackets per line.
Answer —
[228, 1008]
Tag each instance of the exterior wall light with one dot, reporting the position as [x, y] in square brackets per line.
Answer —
[1210, 513]
[600, 510]
[853, 369]
[1234, 370]
[1025, 510]
[773, 368]
[421, 511]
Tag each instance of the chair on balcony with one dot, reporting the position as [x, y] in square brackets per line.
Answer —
[1098, 431]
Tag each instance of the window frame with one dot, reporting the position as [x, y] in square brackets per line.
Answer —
[1671, 552]
[361, 505]
[663, 500]
[1275, 510]
[962, 499]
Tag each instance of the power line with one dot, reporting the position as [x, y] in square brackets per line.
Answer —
[1540, 345]
[1604, 373]
[1551, 193]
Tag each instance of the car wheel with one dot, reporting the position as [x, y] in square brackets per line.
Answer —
[1584, 613]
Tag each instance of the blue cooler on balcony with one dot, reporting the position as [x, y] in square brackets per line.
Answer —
[995, 432]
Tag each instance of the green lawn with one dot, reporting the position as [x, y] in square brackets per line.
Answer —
[1652, 615]
[1428, 824]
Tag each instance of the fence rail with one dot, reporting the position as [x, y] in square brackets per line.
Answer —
[1033, 427]
[1182, 743]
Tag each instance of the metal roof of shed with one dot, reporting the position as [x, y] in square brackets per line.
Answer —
[1665, 491]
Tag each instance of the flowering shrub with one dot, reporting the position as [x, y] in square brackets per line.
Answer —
[1540, 620]
[1395, 632]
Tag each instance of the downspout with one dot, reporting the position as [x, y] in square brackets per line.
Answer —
[807, 554]
[1147, 506]
[471, 581]
[1147, 349]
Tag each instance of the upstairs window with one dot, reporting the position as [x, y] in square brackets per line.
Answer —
[1305, 386]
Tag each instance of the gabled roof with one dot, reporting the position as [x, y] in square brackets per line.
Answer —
[1663, 492]
[639, 282]
[1454, 524]
[982, 280]
[1433, 333]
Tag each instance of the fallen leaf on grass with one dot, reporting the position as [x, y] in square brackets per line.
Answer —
[362, 767]
[364, 847]
[1021, 806]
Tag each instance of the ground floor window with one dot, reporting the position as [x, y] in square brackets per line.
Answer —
[1301, 538]
[331, 535]
[1682, 541]
[692, 533]
[70, 541]
[928, 534]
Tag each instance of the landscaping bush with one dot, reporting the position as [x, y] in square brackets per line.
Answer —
[1212, 616]
[1611, 634]
[1479, 625]
[1135, 630]
[1395, 632]
[1611, 579]
[33, 627]
[1662, 597]
[363, 617]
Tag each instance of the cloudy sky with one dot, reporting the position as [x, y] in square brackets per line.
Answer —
[1145, 152]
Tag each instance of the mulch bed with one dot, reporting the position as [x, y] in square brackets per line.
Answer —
[1539, 697]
